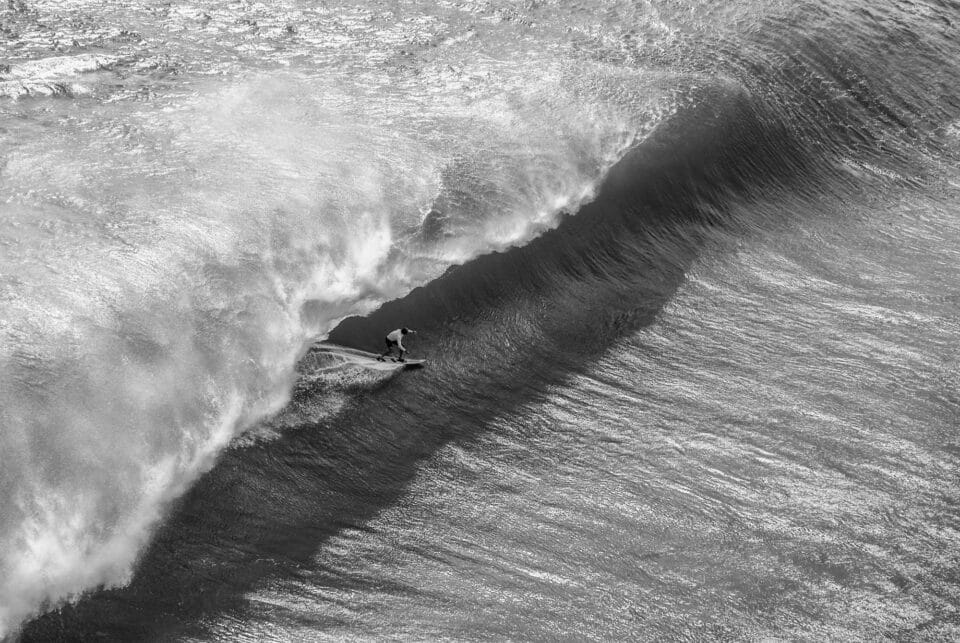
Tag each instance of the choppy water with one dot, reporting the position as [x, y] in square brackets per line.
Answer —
[704, 387]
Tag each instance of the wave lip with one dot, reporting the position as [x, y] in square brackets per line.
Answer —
[57, 67]
[50, 76]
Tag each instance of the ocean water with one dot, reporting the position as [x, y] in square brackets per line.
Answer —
[685, 274]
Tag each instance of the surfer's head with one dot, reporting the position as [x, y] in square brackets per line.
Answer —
[405, 330]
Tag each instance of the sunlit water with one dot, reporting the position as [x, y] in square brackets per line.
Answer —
[190, 194]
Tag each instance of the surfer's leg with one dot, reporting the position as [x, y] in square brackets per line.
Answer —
[386, 352]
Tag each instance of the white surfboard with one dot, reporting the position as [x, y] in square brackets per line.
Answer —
[342, 355]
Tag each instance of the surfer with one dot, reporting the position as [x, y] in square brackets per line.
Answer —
[393, 340]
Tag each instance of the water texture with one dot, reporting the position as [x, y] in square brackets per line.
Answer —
[685, 276]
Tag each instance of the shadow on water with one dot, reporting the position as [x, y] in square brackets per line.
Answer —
[539, 314]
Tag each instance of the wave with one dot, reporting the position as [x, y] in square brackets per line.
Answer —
[655, 210]
[168, 305]
[124, 379]
[56, 67]
[495, 330]
[53, 76]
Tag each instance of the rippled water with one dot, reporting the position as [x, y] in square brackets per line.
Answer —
[705, 387]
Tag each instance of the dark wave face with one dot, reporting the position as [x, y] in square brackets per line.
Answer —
[685, 279]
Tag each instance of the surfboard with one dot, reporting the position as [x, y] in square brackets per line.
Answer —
[343, 356]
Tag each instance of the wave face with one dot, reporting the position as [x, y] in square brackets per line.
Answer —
[193, 195]
[173, 242]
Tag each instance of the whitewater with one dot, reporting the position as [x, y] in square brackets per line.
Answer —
[168, 260]
[685, 277]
